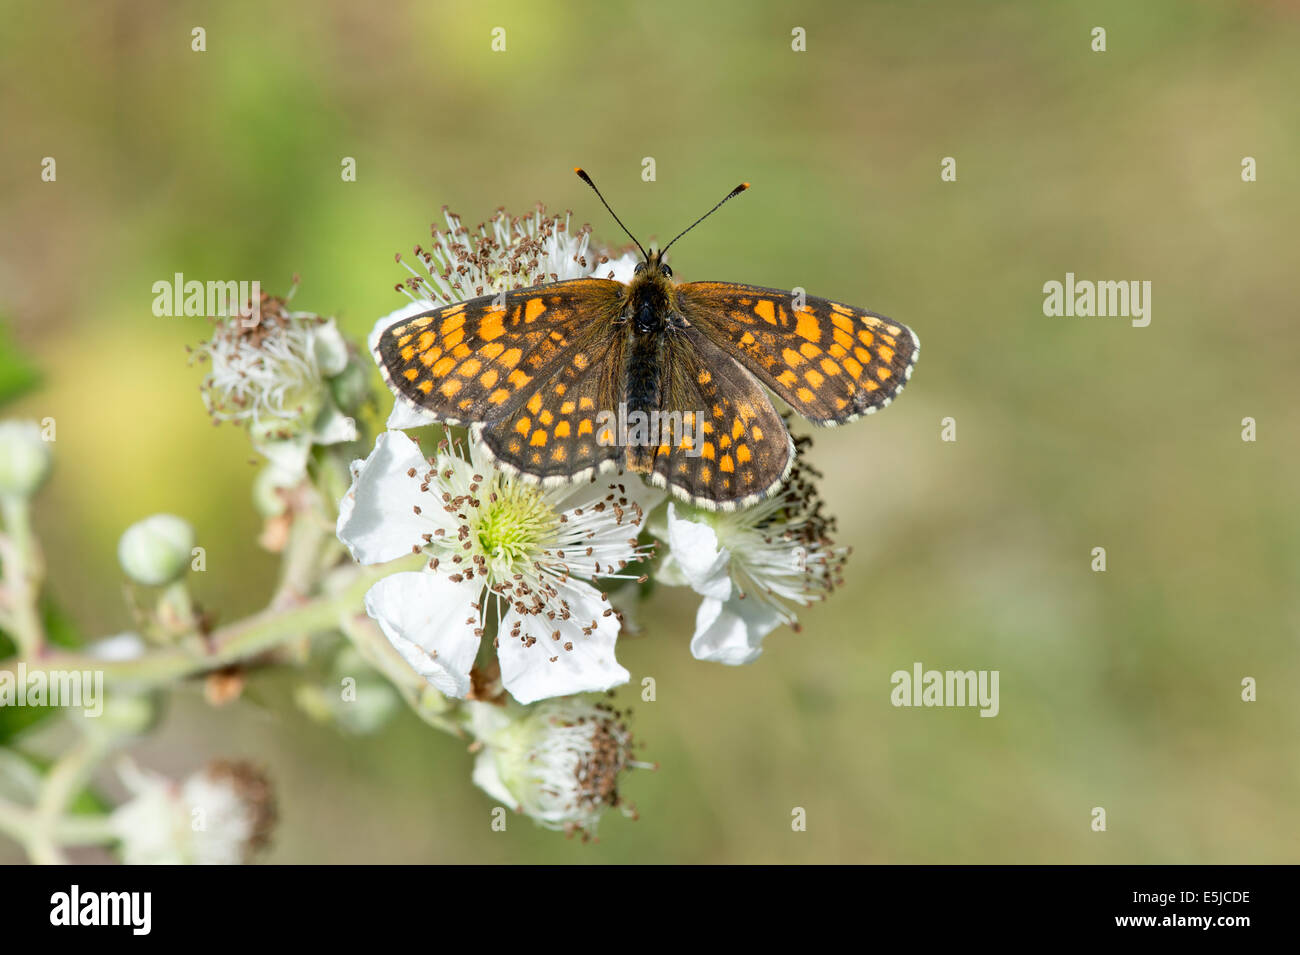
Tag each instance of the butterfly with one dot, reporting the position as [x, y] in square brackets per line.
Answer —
[566, 379]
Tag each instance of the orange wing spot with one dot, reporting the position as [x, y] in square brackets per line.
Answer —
[535, 403]
[493, 326]
[706, 474]
[806, 396]
[470, 368]
[533, 309]
[737, 428]
[443, 365]
[842, 309]
[724, 442]
[427, 341]
[429, 357]
[745, 410]
[584, 427]
[864, 356]
[515, 446]
[705, 377]
[843, 322]
[882, 373]
[586, 404]
[830, 367]
[765, 310]
[742, 454]
[781, 316]
[809, 350]
[886, 354]
[491, 351]
[411, 374]
[871, 386]
[866, 337]
[455, 338]
[408, 353]
[489, 378]
[815, 378]
[500, 396]
[746, 302]
[426, 386]
[461, 351]
[405, 340]
[454, 310]
[843, 338]
[562, 429]
[523, 425]
[841, 404]
[726, 464]
[787, 378]
[852, 367]
[511, 357]
[518, 379]
[580, 361]
[559, 453]
[464, 404]
[561, 388]
[717, 411]
[806, 325]
[517, 314]
[450, 387]
[422, 322]
[747, 339]
[756, 433]
[708, 450]
[450, 324]
[663, 450]
[792, 357]
[568, 407]
[546, 418]
[706, 427]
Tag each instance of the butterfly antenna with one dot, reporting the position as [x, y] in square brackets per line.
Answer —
[731, 195]
[582, 174]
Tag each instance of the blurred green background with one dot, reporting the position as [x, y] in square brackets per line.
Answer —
[1119, 690]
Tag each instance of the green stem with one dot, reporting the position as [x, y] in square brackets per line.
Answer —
[23, 572]
[233, 643]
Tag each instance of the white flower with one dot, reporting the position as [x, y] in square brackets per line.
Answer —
[25, 458]
[219, 816]
[502, 554]
[749, 565]
[558, 762]
[507, 253]
[275, 377]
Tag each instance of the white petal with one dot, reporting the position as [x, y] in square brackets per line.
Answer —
[405, 416]
[288, 458]
[333, 426]
[697, 556]
[377, 521]
[487, 778]
[392, 318]
[546, 669]
[427, 618]
[732, 632]
[329, 349]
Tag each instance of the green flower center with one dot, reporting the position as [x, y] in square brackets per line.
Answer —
[514, 526]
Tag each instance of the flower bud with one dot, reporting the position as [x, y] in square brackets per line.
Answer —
[157, 550]
[25, 458]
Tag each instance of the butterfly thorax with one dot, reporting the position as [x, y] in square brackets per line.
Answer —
[650, 315]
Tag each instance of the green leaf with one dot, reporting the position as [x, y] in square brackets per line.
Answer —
[60, 631]
[17, 374]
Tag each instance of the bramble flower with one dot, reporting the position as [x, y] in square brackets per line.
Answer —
[221, 815]
[507, 253]
[559, 762]
[275, 377]
[506, 556]
[750, 564]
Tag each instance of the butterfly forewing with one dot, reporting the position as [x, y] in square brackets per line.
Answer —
[480, 360]
[830, 362]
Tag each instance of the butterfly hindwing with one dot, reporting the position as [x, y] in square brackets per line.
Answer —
[830, 362]
[479, 360]
[744, 450]
[555, 434]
